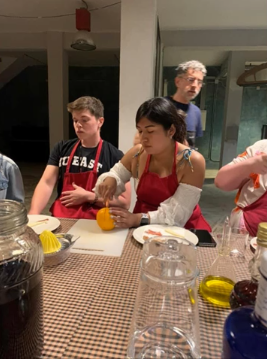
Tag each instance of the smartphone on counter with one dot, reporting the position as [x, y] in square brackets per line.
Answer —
[205, 238]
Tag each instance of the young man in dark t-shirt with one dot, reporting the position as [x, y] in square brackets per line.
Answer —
[189, 81]
[76, 197]
[83, 160]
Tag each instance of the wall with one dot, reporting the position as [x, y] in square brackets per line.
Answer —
[24, 115]
[210, 144]
[103, 83]
[253, 116]
[24, 132]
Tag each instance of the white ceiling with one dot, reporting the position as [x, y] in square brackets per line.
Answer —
[173, 15]
[102, 19]
[212, 14]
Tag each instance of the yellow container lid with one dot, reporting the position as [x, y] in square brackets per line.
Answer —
[262, 234]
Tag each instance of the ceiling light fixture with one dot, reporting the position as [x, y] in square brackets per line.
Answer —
[82, 40]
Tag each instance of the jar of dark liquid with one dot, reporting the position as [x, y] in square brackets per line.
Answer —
[245, 291]
[21, 273]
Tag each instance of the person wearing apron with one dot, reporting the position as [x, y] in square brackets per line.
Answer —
[248, 174]
[168, 174]
[86, 180]
[74, 166]
[162, 189]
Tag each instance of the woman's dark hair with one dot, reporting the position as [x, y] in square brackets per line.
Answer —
[163, 112]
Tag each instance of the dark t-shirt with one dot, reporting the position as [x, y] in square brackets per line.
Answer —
[83, 159]
[193, 120]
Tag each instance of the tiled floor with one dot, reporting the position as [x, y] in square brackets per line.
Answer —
[215, 204]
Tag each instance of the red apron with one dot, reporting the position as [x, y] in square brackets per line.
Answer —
[254, 214]
[153, 190]
[86, 180]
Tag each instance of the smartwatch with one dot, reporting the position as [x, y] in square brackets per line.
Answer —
[144, 219]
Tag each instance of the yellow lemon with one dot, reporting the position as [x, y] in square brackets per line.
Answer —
[103, 219]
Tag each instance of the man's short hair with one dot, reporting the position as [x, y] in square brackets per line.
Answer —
[89, 103]
[193, 64]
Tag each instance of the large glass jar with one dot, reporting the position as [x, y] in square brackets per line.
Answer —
[165, 321]
[21, 301]
[245, 291]
[254, 263]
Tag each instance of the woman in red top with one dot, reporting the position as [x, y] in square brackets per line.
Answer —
[169, 175]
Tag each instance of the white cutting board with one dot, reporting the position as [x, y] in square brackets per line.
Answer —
[95, 241]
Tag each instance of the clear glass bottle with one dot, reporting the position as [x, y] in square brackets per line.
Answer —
[254, 263]
[219, 280]
[21, 261]
[245, 291]
[245, 329]
[165, 321]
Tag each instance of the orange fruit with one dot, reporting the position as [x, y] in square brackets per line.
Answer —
[103, 219]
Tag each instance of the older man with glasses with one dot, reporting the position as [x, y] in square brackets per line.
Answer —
[189, 81]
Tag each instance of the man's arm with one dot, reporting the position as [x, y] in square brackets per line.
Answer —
[79, 196]
[44, 189]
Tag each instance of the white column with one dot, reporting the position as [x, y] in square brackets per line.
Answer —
[161, 84]
[58, 88]
[137, 66]
[232, 107]
[137, 63]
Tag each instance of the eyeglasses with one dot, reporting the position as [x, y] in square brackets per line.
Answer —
[191, 81]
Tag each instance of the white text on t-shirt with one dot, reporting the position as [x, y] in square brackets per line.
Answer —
[79, 162]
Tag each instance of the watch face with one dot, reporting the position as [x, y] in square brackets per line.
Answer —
[144, 219]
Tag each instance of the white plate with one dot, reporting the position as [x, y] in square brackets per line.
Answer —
[51, 224]
[139, 232]
[253, 244]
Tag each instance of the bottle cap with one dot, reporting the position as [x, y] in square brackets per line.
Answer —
[262, 234]
[263, 267]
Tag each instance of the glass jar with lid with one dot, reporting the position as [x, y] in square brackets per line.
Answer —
[245, 291]
[21, 301]
[254, 263]
[165, 321]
